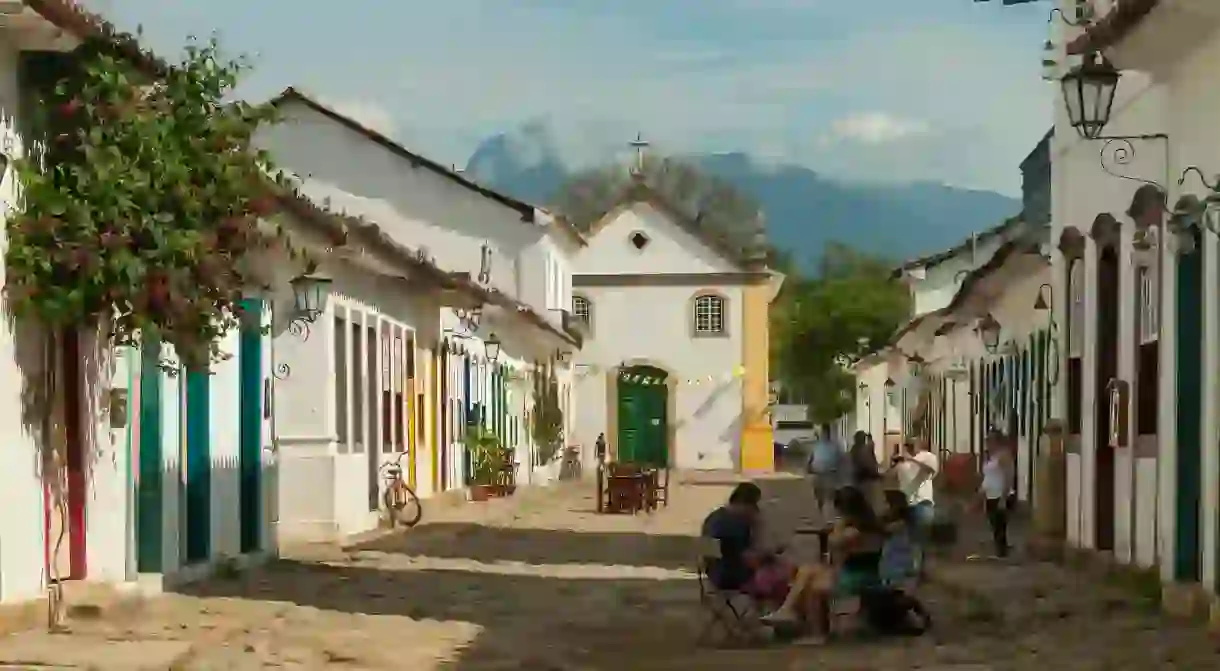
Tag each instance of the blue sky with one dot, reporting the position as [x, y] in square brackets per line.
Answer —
[939, 90]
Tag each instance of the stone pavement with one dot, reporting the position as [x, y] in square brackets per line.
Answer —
[540, 582]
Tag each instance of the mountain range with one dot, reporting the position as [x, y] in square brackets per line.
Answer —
[804, 209]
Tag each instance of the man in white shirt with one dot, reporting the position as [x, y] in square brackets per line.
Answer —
[918, 468]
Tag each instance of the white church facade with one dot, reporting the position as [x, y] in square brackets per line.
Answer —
[674, 368]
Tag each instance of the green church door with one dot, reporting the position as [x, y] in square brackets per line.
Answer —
[643, 424]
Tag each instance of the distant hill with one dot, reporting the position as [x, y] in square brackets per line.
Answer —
[804, 209]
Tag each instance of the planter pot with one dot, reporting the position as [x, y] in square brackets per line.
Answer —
[482, 492]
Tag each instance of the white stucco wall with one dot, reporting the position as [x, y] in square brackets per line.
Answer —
[671, 249]
[325, 484]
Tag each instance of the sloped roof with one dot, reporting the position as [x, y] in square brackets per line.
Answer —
[343, 227]
[70, 16]
[290, 94]
[1113, 27]
[940, 257]
[638, 192]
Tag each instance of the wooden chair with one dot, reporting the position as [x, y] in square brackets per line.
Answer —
[658, 488]
[626, 488]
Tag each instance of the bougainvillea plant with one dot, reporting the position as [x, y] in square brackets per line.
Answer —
[143, 206]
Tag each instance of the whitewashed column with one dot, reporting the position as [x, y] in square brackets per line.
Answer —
[1089, 405]
[1167, 436]
[1126, 490]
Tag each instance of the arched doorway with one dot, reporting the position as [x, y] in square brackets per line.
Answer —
[643, 415]
[1105, 232]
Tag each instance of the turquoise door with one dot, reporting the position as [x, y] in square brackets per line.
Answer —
[1189, 412]
[198, 467]
[250, 450]
[150, 473]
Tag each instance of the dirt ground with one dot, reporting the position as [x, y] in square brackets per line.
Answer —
[540, 582]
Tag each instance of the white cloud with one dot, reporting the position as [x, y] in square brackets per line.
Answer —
[876, 128]
[444, 75]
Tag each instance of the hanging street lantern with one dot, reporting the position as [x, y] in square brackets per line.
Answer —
[989, 332]
[491, 347]
[1088, 91]
[309, 294]
[916, 364]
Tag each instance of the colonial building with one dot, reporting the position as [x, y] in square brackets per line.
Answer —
[674, 367]
[1135, 278]
[467, 362]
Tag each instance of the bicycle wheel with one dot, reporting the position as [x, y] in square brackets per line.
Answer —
[404, 505]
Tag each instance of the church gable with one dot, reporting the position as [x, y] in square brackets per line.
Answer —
[642, 237]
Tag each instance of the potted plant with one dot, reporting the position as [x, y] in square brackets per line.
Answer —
[546, 425]
[488, 462]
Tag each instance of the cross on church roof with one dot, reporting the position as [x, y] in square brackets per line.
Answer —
[639, 144]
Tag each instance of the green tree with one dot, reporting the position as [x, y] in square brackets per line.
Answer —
[819, 322]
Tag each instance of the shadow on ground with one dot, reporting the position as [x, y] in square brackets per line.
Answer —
[538, 546]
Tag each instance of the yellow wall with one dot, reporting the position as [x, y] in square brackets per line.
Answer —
[757, 442]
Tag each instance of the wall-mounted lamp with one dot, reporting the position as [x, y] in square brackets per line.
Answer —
[491, 347]
[562, 357]
[916, 364]
[989, 332]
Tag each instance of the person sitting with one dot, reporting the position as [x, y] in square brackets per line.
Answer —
[856, 542]
[744, 565]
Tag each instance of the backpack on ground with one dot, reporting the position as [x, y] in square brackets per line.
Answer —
[893, 612]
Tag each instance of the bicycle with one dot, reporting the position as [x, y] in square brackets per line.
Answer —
[401, 503]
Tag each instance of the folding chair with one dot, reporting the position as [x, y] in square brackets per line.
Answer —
[732, 612]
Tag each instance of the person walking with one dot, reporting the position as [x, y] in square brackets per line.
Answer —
[996, 490]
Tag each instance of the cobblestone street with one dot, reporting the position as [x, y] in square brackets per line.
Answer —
[541, 582]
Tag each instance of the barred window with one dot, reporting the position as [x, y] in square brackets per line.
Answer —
[581, 309]
[1147, 314]
[1076, 288]
[709, 315]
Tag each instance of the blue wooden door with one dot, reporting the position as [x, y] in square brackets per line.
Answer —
[1189, 412]
[250, 450]
[150, 473]
[198, 466]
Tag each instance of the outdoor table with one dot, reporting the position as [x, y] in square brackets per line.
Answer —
[823, 535]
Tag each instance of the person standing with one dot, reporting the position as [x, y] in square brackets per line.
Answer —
[865, 472]
[918, 468]
[825, 469]
[996, 490]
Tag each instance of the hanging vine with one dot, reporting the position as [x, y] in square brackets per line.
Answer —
[142, 206]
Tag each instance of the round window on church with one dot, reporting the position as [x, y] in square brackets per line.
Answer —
[639, 240]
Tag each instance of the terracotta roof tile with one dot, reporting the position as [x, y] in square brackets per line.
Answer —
[1113, 27]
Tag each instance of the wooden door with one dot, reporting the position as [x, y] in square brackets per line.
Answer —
[1107, 370]
[643, 434]
[1189, 412]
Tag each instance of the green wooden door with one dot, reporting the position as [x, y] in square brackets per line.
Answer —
[1189, 412]
[149, 487]
[250, 449]
[643, 424]
[198, 540]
